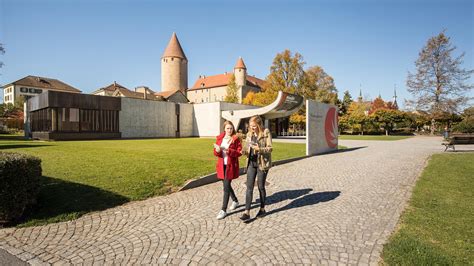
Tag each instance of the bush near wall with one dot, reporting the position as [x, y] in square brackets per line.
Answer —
[19, 184]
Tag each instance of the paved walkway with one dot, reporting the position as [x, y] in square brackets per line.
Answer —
[335, 208]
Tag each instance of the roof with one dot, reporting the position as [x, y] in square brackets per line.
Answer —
[137, 95]
[110, 88]
[223, 80]
[42, 82]
[240, 64]
[167, 94]
[174, 48]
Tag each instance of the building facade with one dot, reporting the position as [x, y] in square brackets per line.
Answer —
[214, 88]
[30, 86]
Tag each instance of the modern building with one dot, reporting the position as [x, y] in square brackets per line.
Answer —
[214, 88]
[32, 86]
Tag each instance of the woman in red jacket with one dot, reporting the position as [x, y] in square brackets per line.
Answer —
[228, 150]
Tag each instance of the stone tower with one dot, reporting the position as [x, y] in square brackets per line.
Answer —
[174, 67]
[240, 72]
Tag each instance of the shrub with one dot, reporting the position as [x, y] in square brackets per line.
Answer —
[19, 184]
[465, 126]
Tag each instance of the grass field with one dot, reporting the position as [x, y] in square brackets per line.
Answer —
[372, 137]
[84, 176]
[437, 228]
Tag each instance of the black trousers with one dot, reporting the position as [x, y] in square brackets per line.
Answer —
[228, 191]
[252, 173]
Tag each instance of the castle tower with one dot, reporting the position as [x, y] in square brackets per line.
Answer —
[174, 67]
[240, 72]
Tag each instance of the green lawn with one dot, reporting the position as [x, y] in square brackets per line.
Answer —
[437, 228]
[84, 176]
[372, 137]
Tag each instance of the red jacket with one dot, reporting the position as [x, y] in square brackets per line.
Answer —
[233, 153]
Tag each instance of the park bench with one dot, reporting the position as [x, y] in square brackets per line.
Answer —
[458, 139]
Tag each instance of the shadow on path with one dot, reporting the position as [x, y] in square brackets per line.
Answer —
[274, 198]
[306, 200]
[350, 149]
[60, 200]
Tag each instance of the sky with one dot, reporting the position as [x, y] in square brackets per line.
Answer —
[368, 44]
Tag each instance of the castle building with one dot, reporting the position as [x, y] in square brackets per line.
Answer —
[174, 67]
[214, 88]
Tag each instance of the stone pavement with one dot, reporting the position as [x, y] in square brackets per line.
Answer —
[329, 209]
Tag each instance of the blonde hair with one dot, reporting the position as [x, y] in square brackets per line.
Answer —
[258, 121]
[227, 122]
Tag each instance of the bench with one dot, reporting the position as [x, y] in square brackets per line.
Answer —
[461, 139]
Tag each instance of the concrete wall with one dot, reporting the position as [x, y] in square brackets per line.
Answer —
[207, 117]
[206, 120]
[150, 119]
[321, 127]
[186, 120]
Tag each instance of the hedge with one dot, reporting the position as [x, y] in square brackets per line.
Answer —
[19, 184]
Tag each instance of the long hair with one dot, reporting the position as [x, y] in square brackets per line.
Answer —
[258, 121]
[227, 122]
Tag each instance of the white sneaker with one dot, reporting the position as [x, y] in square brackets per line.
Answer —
[234, 205]
[221, 215]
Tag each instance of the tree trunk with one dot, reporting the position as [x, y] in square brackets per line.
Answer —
[386, 132]
[432, 127]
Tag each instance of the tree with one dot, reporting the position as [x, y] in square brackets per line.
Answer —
[249, 98]
[387, 118]
[346, 102]
[440, 84]
[377, 104]
[2, 51]
[319, 85]
[232, 90]
[357, 116]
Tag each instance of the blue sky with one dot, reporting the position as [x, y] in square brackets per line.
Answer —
[90, 44]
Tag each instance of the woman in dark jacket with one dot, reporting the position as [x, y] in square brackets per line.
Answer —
[258, 148]
[228, 150]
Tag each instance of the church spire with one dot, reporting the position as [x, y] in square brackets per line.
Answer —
[394, 103]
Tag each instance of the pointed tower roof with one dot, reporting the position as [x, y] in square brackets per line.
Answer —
[174, 48]
[395, 104]
[240, 64]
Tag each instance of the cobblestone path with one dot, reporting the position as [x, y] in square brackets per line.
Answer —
[329, 209]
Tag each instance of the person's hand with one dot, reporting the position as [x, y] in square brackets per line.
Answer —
[255, 148]
[217, 148]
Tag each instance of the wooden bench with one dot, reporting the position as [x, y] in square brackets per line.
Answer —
[458, 139]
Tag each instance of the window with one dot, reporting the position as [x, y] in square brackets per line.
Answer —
[23, 89]
[73, 115]
[172, 58]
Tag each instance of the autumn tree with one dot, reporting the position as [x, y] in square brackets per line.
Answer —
[232, 91]
[439, 84]
[377, 104]
[319, 86]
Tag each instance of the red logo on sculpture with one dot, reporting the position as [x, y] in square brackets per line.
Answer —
[330, 127]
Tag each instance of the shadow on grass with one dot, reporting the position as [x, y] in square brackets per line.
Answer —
[12, 137]
[17, 146]
[60, 200]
